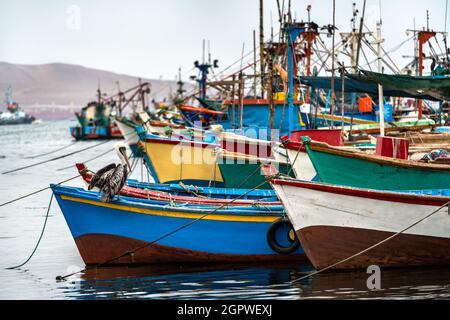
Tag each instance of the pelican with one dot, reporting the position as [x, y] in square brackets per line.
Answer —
[111, 178]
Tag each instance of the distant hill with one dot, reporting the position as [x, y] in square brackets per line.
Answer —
[65, 84]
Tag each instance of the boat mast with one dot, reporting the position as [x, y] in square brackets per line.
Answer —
[380, 70]
[333, 60]
[9, 100]
[255, 93]
[261, 45]
[293, 31]
[423, 36]
[204, 71]
[360, 36]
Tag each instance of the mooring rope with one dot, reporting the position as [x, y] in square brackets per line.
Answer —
[54, 151]
[39, 240]
[46, 217]
[57, 158]
[372, 247]
[296, 157]
[36, 192]
[132, 252]
[69, 145]
[89, 160]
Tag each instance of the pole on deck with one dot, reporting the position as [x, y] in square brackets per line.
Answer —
[380, 87]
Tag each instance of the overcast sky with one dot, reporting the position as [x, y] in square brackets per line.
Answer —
[153, 38]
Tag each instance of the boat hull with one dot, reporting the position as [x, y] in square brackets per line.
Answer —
[247, 174]
[301, 165]
[171, 161]
[96, 132]
[103, 232]
[334, 223]
[359, 170]
[26, 120]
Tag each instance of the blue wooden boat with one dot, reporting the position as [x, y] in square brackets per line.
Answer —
[105, 231]
[216, 193]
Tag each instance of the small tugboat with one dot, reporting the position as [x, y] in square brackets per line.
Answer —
[95, 121]
[13, 113]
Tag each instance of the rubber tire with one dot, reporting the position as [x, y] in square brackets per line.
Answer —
[273, 243]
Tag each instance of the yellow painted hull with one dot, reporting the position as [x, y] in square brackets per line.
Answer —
[186, 162]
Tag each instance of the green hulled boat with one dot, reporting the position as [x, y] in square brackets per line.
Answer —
[245, 172]
[361, 170]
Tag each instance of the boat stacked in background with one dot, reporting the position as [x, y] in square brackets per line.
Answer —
[14, 114]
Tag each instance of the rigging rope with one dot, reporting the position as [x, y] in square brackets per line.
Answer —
[54, 151]
[67, 146]
[56, 158]
[89, 160]
[36, 192]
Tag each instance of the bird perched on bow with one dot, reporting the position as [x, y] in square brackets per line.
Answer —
[110, 180]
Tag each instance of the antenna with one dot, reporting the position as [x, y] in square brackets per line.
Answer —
[428, 20]
[445, 31]
[379, 6]
[209, 52]
[446, 13]
[203, 57]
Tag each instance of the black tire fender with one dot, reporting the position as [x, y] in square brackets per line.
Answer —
[272, 240]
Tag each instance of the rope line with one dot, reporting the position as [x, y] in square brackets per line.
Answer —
[374, 246]
[132, 252]
[89, 160]
[54, 159]
[36, 192]
[39, 240]
[54, 151]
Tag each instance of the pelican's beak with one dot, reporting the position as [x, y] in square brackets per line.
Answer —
[124, 153]
[128, 162]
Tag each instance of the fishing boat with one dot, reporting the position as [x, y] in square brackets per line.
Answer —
[189, 196]
[296, 152]
[256, 114]
[128, 129]
[244, 171]
[334, 223]
[199, 116]
[13, 113]
[194, 159]
[431, 139]
[95, 121]
[123, 231]
[361, 170]
[189, 161]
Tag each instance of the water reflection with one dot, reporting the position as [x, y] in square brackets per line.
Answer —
[188, 282]
[253, 282]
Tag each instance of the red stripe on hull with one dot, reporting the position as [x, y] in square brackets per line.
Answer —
[98, 248]
[326, 245]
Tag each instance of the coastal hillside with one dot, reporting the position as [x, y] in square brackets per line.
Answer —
[65, 84]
